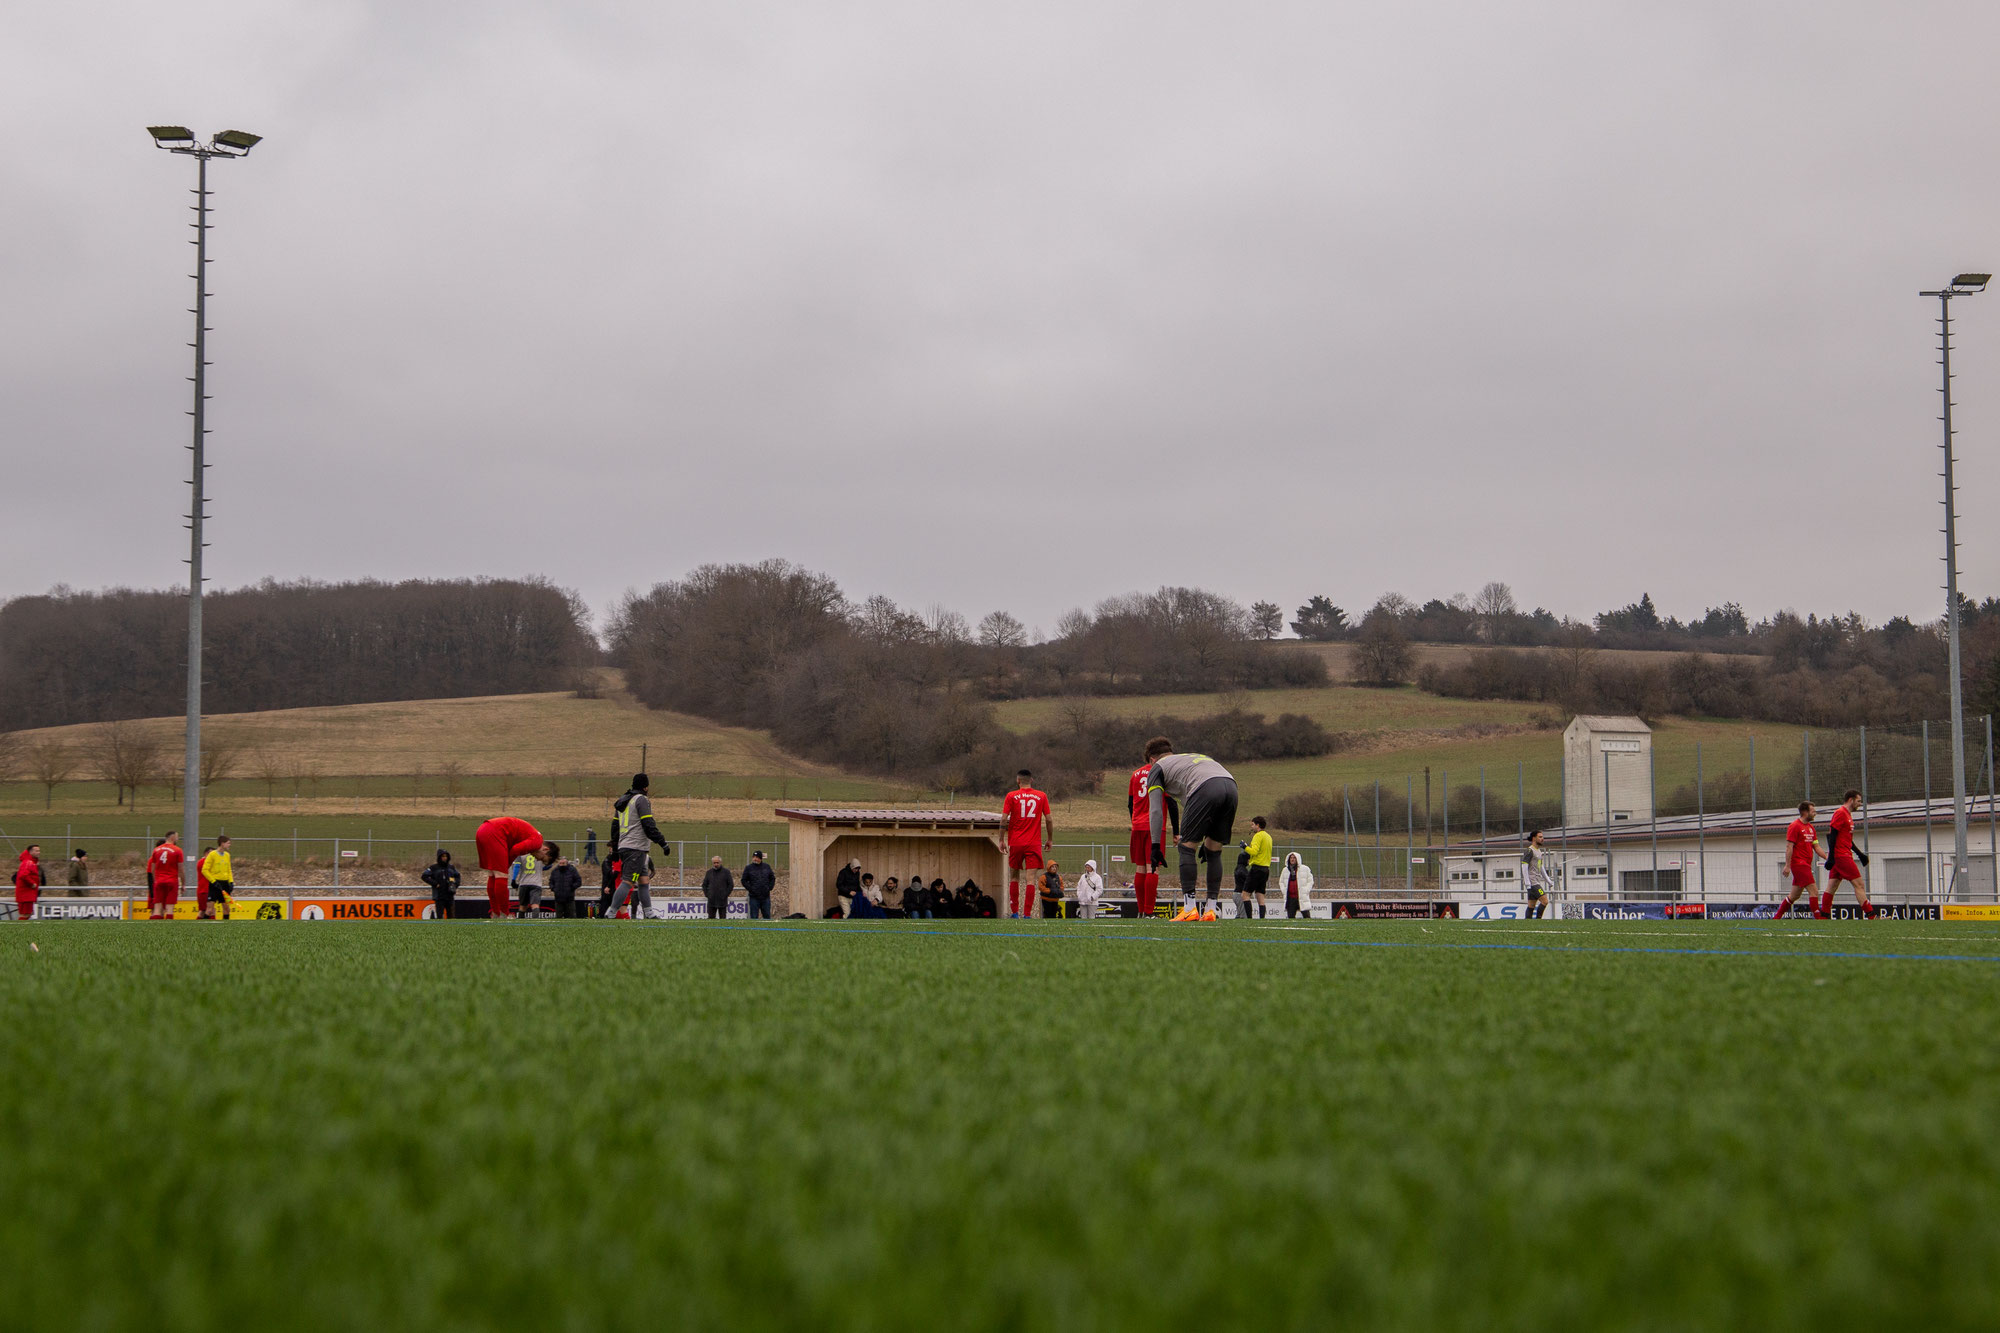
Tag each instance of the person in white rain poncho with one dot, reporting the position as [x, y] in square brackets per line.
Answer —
[1295, 886]
[1089, 888]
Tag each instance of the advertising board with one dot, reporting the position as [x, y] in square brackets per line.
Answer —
[80, 909]
[1369, 909]
[363, 909]
[1970, 911]
[241, 909]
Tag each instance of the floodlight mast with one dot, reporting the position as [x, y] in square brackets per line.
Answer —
[229, 143]
[1965, 284]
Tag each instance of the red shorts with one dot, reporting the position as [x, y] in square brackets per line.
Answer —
[165, 893]
[24, 902]
[1024, 856]
[492, 850]
[1802, 877]
[1142, 850]
[1843, 867]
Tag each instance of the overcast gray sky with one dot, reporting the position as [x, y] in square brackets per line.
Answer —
[1014, 305]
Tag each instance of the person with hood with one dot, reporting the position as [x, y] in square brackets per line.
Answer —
[846, 885]
[1050, 893]
[633, 828]
[28, 882]
[716, 886]
[443, 878]
[79, 870]
[758, 881]
[502, 842]
[1295, 882]
[564, 880]
[1089, 888]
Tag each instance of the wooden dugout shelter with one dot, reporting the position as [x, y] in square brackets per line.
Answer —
[952, 845]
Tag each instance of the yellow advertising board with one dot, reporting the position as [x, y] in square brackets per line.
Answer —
[240, 909]
[1971, 911]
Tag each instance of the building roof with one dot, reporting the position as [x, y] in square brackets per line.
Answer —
[878, 815]
[1881, 814]
[1609, 722]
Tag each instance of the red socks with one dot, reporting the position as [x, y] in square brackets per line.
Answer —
[1783, 908]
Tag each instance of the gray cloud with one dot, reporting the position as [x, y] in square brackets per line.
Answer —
[1014, 305]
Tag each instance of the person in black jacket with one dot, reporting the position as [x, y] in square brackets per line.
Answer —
[758, 881]
[564, 880]
[845, 885]
[443, 878]
[715, 886]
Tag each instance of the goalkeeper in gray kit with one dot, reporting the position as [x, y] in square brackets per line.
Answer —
[1206, 794]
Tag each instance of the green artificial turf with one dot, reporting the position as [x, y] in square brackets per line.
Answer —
[999, 1125]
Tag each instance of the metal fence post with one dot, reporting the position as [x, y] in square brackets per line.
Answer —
[1756, 887]
[1445, 792]
[336, 863]
[1378, 809]
[1864, 789]
[1808, 753]
[1992, 819]
[1653, 814]
[1930, 869]
[1409, 824]
[1482, 829]
[1700, 824]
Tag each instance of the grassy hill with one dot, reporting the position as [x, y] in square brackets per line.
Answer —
[382, 767]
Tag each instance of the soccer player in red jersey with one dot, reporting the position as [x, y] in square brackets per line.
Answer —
[1842, 855]
[1801, 844]
[501, 842]
[1145, 873]
[163, 878]
[1027, 812]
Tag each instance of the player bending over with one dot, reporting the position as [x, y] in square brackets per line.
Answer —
[501, 842]
[1207, 796]
[1801, 850]
[1842, 855]
[1027, 812]
[1146, 880]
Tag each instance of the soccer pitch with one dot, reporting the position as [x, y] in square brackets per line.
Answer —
[1000, 1125]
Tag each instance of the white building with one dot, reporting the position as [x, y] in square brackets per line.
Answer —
[1731, 857]
[1607, 764]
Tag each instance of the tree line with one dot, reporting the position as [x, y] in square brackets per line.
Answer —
[68, 657]
[879, 688]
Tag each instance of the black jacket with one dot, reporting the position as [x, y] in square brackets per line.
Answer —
[759, 879]
[565, 880]
[848, 882]
[718, 882]
[441, 876]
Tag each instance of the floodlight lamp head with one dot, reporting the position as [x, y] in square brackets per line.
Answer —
[171, 136]
[237, 143]
[1971, 282]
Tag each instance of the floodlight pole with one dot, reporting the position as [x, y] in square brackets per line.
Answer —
[1959, 863]
[230, 143]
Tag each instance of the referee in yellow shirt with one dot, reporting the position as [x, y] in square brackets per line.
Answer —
[221, 879]
[1259, 848]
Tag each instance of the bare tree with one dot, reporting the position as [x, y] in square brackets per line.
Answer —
[453, 773]
[1494, 607]
[219, 759]
[1001, 630]
[417, 779]
[123, 754]
[268, 768]
[1077, 713]
[1266, 621]
[50, 762]
[506, 790]
[1382, 652]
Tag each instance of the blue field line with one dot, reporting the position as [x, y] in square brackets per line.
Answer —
[822, 928]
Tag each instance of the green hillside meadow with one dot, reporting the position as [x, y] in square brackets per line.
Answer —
[1000, 1126]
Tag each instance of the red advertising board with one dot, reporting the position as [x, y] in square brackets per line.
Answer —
[362, 909]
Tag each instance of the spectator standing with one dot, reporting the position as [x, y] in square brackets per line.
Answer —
[564, 880]
[1243, 882]
[758, 881]
[715, 886]
[590, 847]
[846, 885]
[1089, 888]
[1295, 881]
[443, 877]
[163, 877]
[1052, 891]
[79, 870]
[28, 882]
